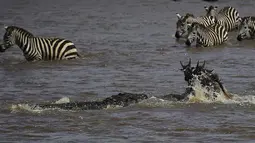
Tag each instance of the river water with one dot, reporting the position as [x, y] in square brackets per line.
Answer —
[127, 46]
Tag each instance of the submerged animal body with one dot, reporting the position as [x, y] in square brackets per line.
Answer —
[38, 48]
[121, 99]
[209, 80]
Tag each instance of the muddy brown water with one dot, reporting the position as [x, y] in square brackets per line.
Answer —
[127, 46]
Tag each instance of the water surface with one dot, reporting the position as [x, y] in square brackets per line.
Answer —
[128, 46]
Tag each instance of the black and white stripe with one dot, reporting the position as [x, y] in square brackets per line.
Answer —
[228, 16]
[246, 28]
[38, 48]
[206, 36]
[184, 22]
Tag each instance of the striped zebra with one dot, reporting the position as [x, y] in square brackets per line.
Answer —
[246, 28]
[38, 48]
[227, 16]
[206, 36]
[184, 23]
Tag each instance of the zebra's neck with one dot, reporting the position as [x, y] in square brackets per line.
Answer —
[21, 42]
[21, 36]
[24, 40]
[202, 36]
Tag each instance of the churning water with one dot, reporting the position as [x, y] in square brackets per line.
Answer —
[127, 46]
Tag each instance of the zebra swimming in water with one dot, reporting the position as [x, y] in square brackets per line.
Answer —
[184, 23]
[206, 36]
[228, 16]
[38, 48]
[246, 28]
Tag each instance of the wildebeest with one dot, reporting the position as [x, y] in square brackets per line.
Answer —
[192, 75]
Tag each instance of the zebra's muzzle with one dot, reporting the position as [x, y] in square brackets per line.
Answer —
[2, 49]
[239, 38]
[188, 43]
[177, 35]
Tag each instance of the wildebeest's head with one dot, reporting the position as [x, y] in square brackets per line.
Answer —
[206, 78]
[190, 72]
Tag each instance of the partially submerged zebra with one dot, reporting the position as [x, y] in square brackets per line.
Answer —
[184, 22]
[246, 28]
[209, 81]
[206, 36]
[38, 48]
[228, 16]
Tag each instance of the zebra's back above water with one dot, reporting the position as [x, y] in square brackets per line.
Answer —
[212, 35]
[228, 16]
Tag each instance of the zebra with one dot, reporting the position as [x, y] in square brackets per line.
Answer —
[38, 48]
[184, 22]
[246, 28]
[227, 16]
[206, 36]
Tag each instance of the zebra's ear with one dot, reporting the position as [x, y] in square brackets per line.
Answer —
[206, 8]
[5, 27]
[178, 16]
[249, 19]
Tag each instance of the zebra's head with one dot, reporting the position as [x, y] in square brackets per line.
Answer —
[246, 28]
[192, 34]
[8, 41]
[211, 10]
[14, 35]
[182, 25]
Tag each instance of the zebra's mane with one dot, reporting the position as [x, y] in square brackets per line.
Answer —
[188, 16]
[19, 29]
[224, 10]
[198, 25]
[202, 30]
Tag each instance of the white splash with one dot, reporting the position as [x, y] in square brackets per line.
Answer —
[201, 96]
[63, 100]
[35, 109]
[156, 102]
[25, 107]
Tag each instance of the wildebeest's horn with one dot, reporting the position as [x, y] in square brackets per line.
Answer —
[197, 64]
[189, 62]
[203, 64]
[182, 64]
